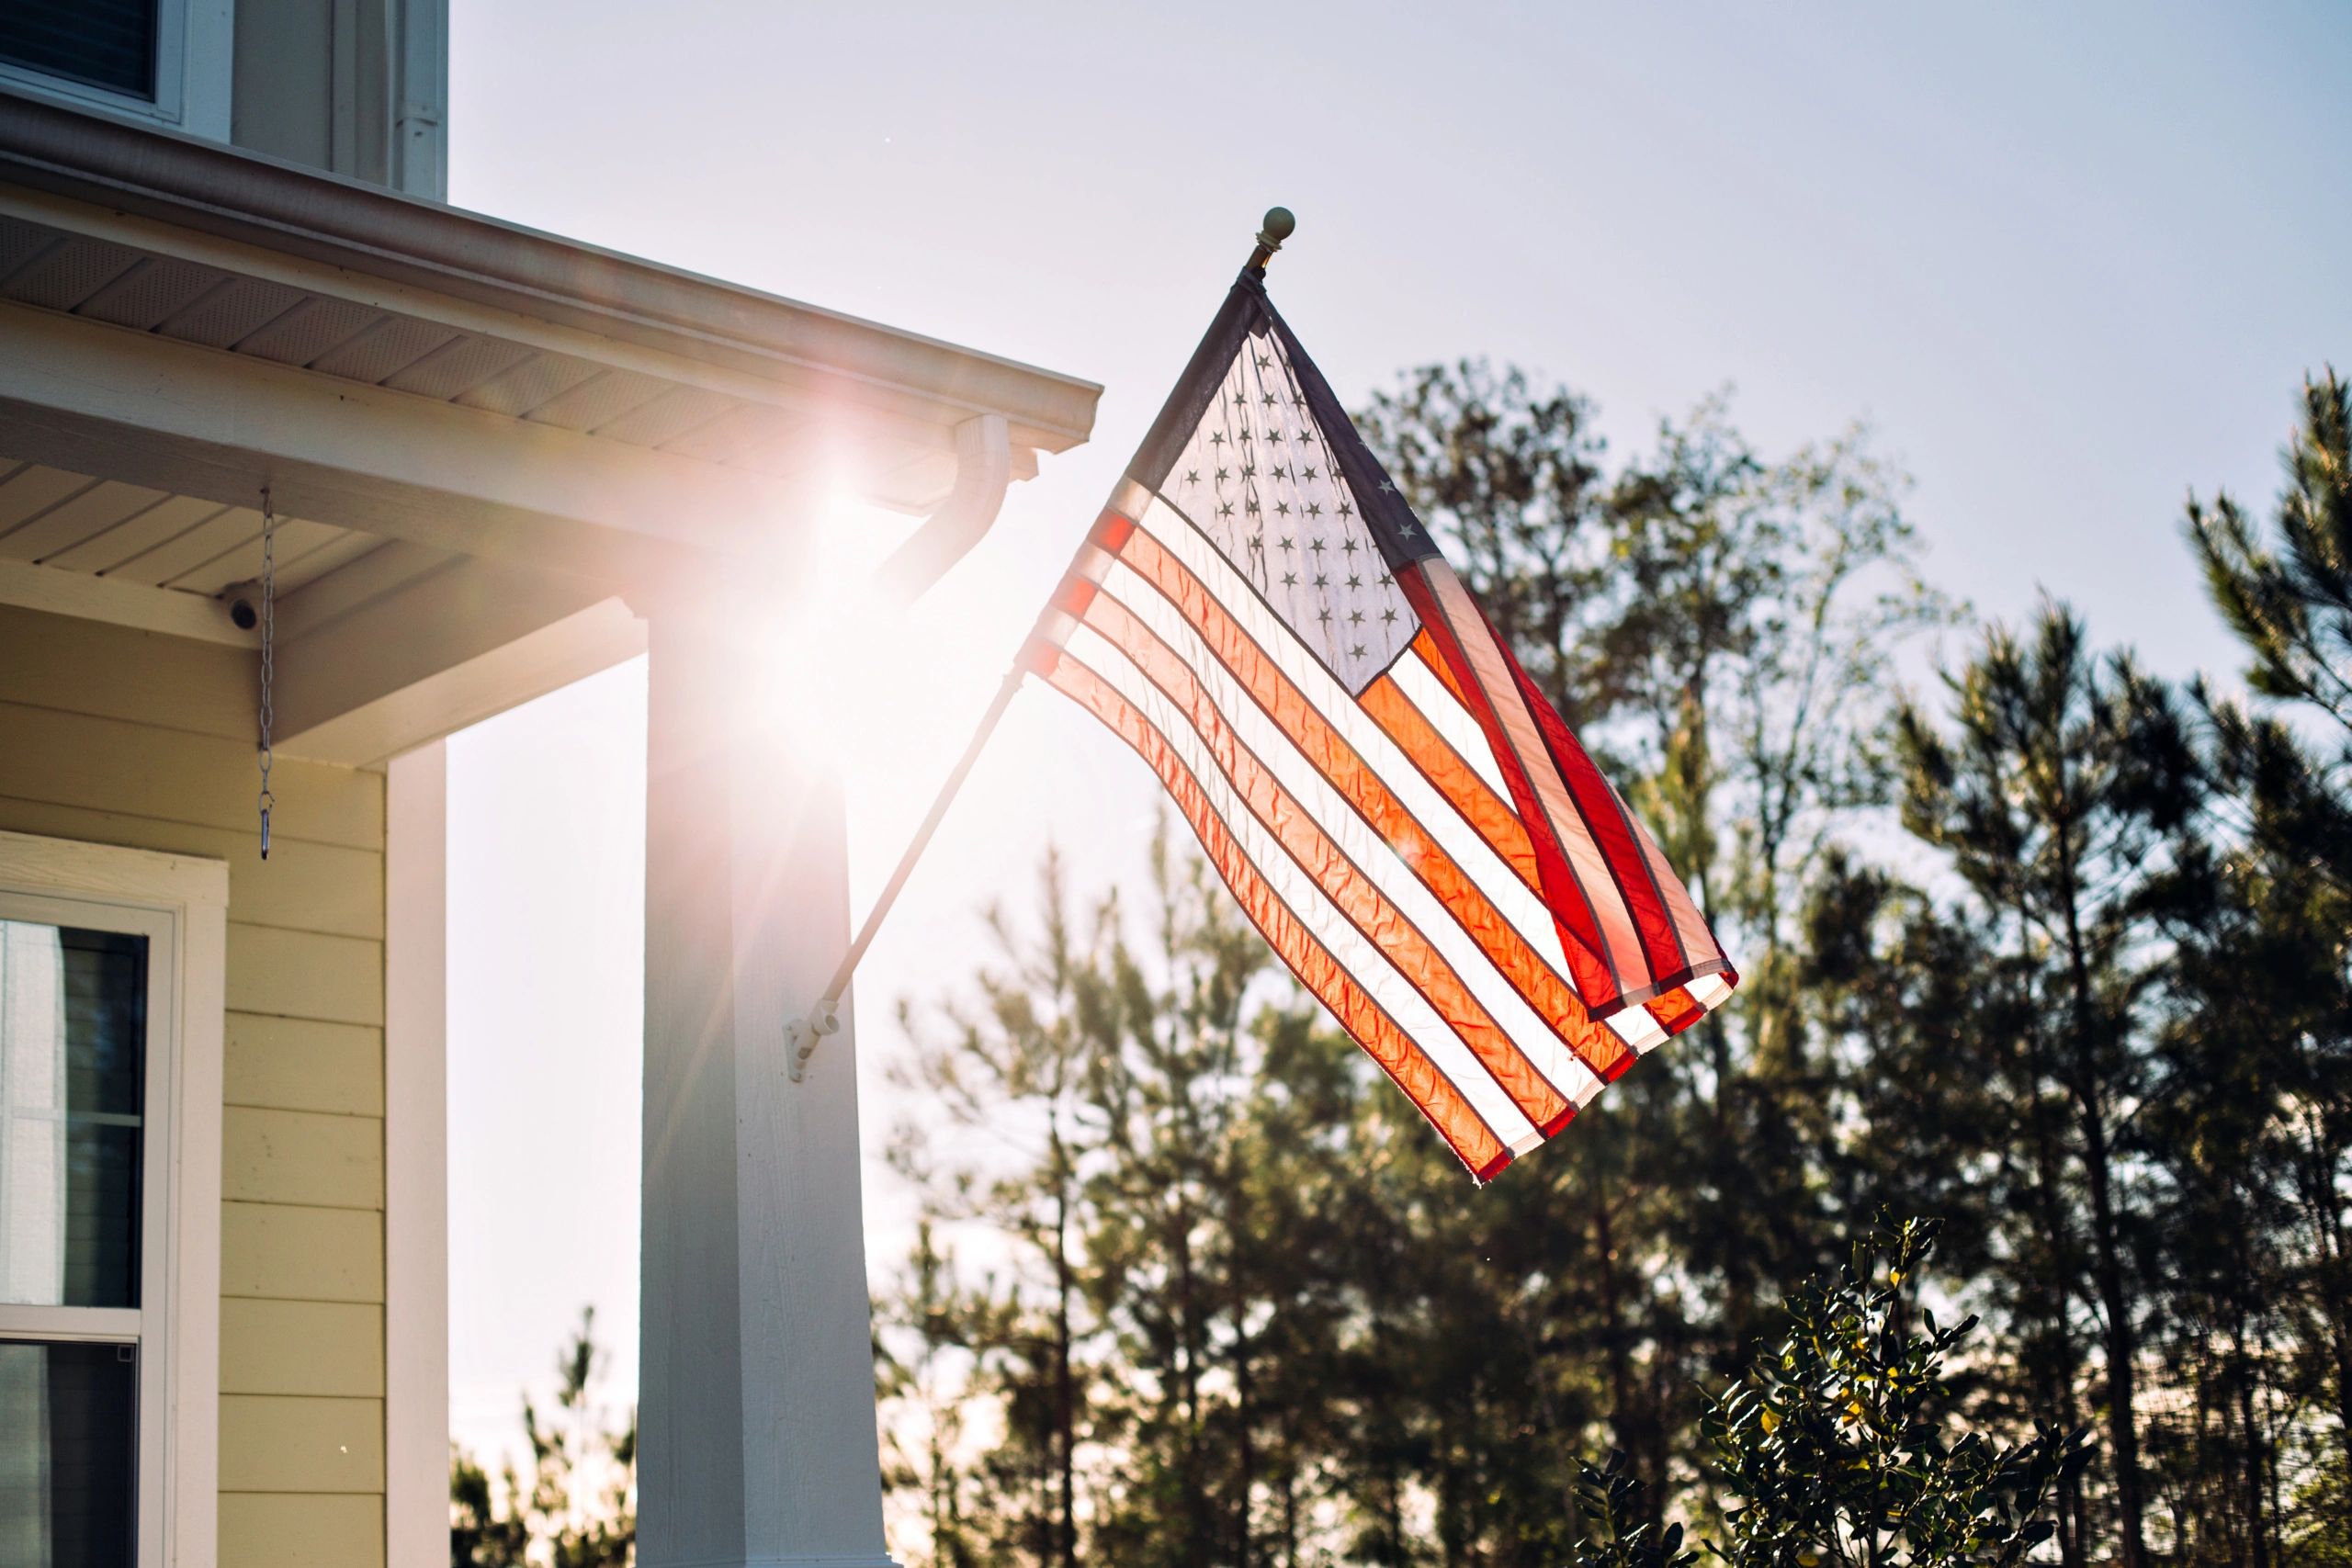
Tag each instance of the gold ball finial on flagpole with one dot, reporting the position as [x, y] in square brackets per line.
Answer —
[1279, 224]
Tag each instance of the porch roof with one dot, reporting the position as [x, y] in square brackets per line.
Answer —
[794, 364]
[476, 433]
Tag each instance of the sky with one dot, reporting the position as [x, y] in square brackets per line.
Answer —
[2068, 262]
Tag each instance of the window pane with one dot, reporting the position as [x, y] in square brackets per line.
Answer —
[72, 1090]
[68, 1457]
[107, 43]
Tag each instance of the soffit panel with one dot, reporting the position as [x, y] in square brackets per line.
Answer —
[158, 288]
[75, 523]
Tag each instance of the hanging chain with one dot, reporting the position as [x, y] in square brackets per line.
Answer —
[268, 651]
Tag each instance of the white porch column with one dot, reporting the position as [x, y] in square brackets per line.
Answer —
[756, 1403]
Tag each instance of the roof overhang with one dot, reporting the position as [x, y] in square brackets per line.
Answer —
[486, 433]
[817, 361]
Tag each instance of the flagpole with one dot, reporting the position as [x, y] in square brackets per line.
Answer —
[824, 1018]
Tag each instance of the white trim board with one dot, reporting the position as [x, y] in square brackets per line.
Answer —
[90, 598]
[416, 1158]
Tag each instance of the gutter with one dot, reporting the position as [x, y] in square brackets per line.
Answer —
[983, 473]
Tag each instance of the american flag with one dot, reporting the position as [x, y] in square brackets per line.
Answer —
[1398, 809]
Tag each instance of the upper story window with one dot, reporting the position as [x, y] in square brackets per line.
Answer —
[99, 44]
[166, 60]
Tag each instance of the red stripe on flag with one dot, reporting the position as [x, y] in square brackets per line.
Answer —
[1110, 530]
[1580, 938]
[1462, 785]
[1434, 1094]
[1613, 829]
[1370, 911]
[1675, 1011]
[1305, 724]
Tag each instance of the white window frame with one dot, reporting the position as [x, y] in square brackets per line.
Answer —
[181, 904]
[196, 45]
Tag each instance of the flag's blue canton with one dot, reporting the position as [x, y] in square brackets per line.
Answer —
[1257, 477]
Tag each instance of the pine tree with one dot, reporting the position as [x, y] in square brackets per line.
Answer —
[2053, 814]
[2269, 968]
[1721, 630]
[580, 1507]
[1015, 1068]
[2290, 601]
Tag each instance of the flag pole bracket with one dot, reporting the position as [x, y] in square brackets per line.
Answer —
[800, 1036]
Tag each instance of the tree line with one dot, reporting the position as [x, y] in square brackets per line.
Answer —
[2038, 947]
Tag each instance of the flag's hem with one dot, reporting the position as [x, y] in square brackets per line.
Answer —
[1658, 987]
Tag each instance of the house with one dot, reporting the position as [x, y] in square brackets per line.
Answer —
[285, 439]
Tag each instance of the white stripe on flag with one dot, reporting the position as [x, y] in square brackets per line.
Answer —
[1360, 957]
[1450, 719]
[1454, 834]
[1357, 840]
[1446, 714]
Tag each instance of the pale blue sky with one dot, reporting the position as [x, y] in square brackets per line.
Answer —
[2069, 262]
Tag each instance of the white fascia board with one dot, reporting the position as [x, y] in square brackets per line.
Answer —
[807, 399]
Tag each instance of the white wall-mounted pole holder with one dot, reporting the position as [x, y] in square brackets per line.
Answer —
[802, 1033]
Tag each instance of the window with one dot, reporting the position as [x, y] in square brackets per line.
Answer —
[75, 1060]
[109, 1104]
[161, 59]
[100, 43]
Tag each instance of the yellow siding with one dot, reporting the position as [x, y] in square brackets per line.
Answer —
[272, 1443]
[83, 667]
[70, 759]
[282, 1529]
[286, 1253]
[326, 1349]
[301, 1157]
[324, 887]
[303, 1065]
[119, 736]
[285, 974]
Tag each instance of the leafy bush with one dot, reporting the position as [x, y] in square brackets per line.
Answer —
[1839, 1445]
